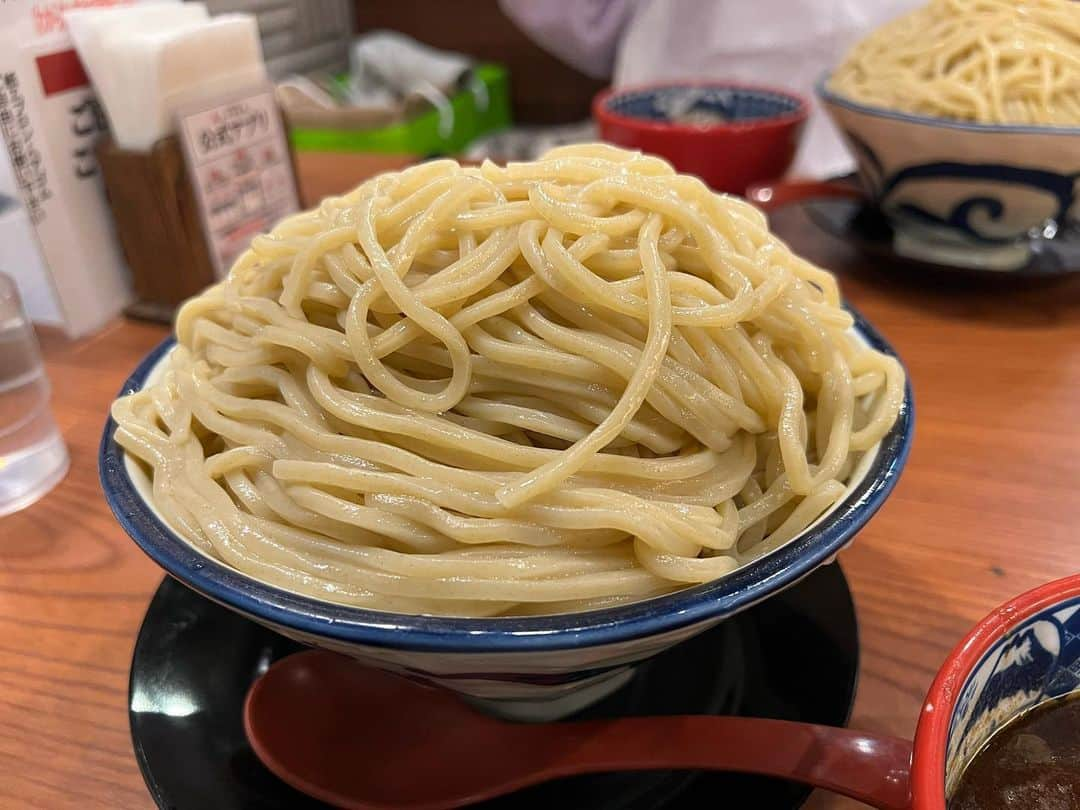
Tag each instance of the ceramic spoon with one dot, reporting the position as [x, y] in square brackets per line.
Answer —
[364, 739]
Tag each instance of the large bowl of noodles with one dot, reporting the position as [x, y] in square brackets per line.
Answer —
[964, 120]
[663, 417]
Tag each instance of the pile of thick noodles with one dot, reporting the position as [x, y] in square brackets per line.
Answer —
[546, 387]
[989, 61]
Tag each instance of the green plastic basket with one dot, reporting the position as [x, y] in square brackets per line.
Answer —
[420, 134]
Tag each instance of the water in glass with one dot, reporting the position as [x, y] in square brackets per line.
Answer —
[33, 457]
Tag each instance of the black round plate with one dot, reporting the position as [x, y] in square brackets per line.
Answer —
[794, 656]
[865, 227]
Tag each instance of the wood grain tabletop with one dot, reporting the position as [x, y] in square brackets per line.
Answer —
[987, 508]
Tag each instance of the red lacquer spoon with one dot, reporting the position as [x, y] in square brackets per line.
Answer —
[364, 739]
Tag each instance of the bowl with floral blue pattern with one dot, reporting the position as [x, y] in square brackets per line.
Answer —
[1024, 654]
[962, 193]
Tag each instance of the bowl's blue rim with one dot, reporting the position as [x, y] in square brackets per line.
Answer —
[832, 97]
[620, 94]
[602, 107]
[671, 612]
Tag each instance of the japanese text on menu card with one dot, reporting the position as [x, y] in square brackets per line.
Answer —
[238, 162]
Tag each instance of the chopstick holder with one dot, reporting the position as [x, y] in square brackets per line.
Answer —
[158, 225]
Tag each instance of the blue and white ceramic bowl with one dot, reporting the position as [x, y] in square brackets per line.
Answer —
[529, 668]
[960, 193]
[1023, 654]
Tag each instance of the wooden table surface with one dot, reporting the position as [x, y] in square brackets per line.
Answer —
[986, 508]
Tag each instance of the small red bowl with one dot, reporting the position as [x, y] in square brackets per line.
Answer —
[730, 135]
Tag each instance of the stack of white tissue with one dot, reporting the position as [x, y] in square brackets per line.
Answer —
[150, 60]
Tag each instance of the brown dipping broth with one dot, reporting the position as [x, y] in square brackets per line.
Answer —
[1033, 763]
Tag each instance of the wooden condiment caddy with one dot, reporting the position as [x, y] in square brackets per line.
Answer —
[158, 225]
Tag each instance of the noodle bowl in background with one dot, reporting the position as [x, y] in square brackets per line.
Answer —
[964, 118]
[985, 61]
[554, 386]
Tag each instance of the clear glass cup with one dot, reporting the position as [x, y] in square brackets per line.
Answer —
[33, 458]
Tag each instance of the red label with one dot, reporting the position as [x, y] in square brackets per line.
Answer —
[61, 71]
